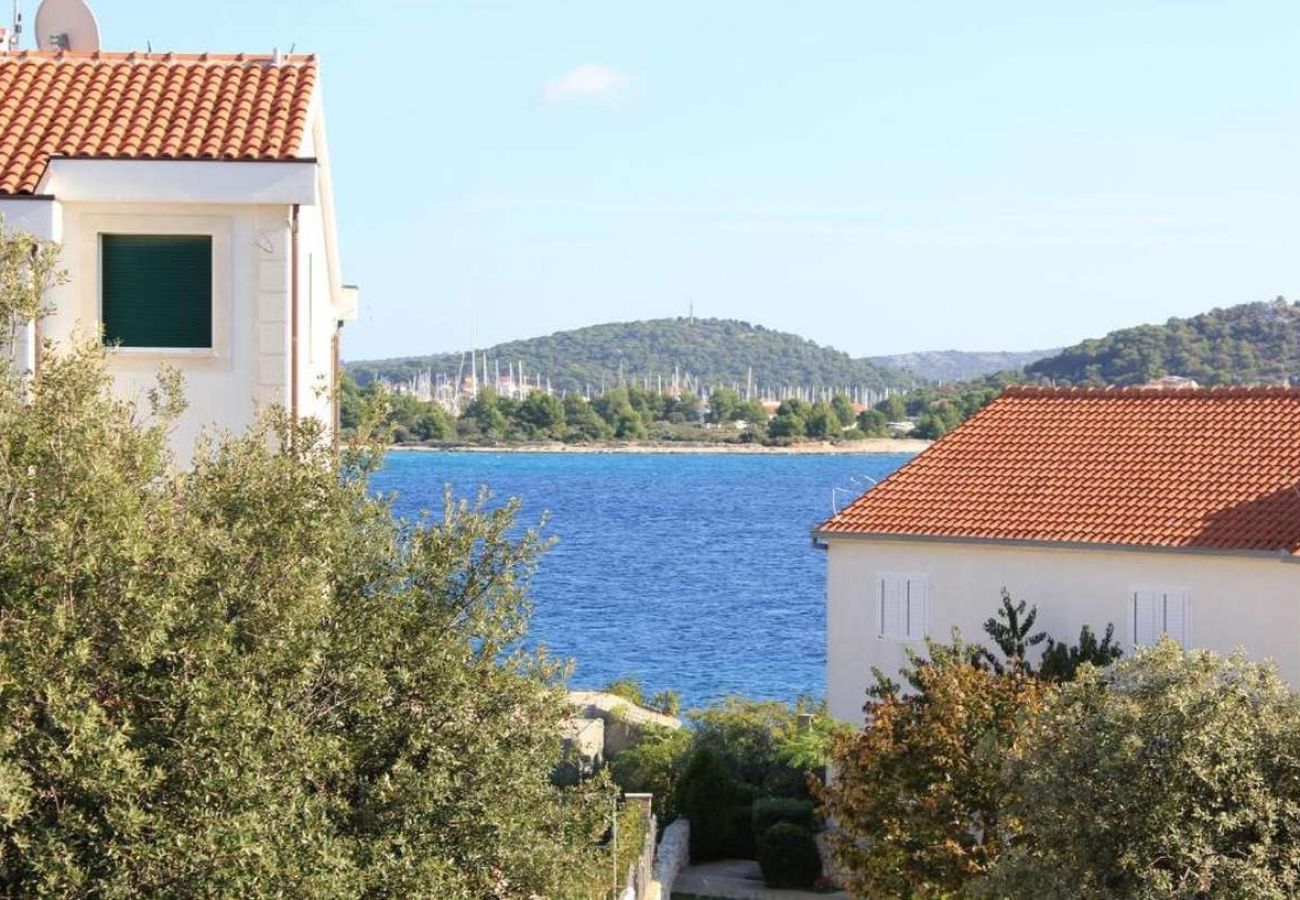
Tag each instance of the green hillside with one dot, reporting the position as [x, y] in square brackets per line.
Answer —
[959, 365]
[713, 351]
[1247, 344]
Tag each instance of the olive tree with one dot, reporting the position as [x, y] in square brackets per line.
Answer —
[1171, 774]
[248, 679]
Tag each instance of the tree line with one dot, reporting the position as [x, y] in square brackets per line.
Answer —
[631, 414]
[1246, 344]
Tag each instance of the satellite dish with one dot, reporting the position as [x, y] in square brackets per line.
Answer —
[66, 25]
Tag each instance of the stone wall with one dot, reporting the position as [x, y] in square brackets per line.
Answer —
[624, 721]
[671, 857]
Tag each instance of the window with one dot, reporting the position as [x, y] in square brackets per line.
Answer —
[902, 607]
[1156, 612]
[156, 290]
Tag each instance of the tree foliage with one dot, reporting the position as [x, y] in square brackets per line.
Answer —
[248, 679]
[788, 856]
[1012, 631]
[1061, 662]
[918, 796]
[706, 793]
[28, 269]
[654, 765]
[1246, 344]
[1171, 774]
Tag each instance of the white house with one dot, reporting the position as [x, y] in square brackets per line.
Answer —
[1157, 511]
[191, 195]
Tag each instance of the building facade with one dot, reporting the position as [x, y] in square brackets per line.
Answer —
[192, 200]
[1156, 512]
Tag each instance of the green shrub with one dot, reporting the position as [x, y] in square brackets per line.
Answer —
[746, 793]
[742, 833]
[667, 702]
[654, 765]
[628, 689]
[1171, 774]
[248, 679]
[1061, 662]
[918, 794]
[706, 795]
[786, 781]
[788, 856]
[771, 810]
[743, 734]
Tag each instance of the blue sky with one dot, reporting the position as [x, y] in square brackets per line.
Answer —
[882, 177]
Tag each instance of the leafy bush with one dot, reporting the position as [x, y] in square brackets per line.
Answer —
[628, 689]
[248, 679]
[767, 749]
[1061, 662]
[771, 810]
[706, 794]
[1170, 775]
[654, 765]
[788, 856]
[1012, 631]
[803, 747]
[742, 832]
[667, 702]
[918, 797]
[753, 737]
[784, 781]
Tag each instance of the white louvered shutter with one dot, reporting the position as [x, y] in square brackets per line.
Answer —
[1147, 617]
[1175, 615]
[891, 602]
[918, 607]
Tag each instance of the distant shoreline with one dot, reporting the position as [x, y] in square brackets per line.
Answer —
[868, 446]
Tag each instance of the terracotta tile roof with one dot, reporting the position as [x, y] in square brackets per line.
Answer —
[1214, 469]
[147, 106]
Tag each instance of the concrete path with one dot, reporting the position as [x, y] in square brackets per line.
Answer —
[735, 879]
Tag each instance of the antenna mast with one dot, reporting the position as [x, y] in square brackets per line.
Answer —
[16, 34]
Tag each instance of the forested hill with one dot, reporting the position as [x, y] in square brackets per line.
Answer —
[959, 365]
[713, 351]
[1247, 344]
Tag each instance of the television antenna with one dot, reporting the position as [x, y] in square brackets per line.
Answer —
[10, 38]
[66, 25]
[856, 491]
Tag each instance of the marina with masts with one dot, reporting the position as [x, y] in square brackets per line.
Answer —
[453, 391]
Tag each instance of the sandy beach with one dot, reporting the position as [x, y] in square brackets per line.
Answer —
[872, 445]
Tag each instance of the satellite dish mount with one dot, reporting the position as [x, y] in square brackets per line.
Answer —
[66, 25]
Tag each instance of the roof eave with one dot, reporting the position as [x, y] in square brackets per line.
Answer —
[821, 538]
[181, 180]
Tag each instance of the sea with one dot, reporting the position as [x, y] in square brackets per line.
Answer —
[689, 572]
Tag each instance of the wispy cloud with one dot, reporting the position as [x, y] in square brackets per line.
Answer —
[590, 82]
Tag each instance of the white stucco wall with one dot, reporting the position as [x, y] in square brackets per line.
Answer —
[248, 363]
[1235, 601]
[248, 366]
[316, 322]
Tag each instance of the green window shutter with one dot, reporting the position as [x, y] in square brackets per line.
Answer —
[157, 290]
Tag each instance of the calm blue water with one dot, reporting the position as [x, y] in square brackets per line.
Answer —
[690, 572]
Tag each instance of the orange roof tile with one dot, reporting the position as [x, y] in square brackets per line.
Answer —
[147, 106]
[1214, 469]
